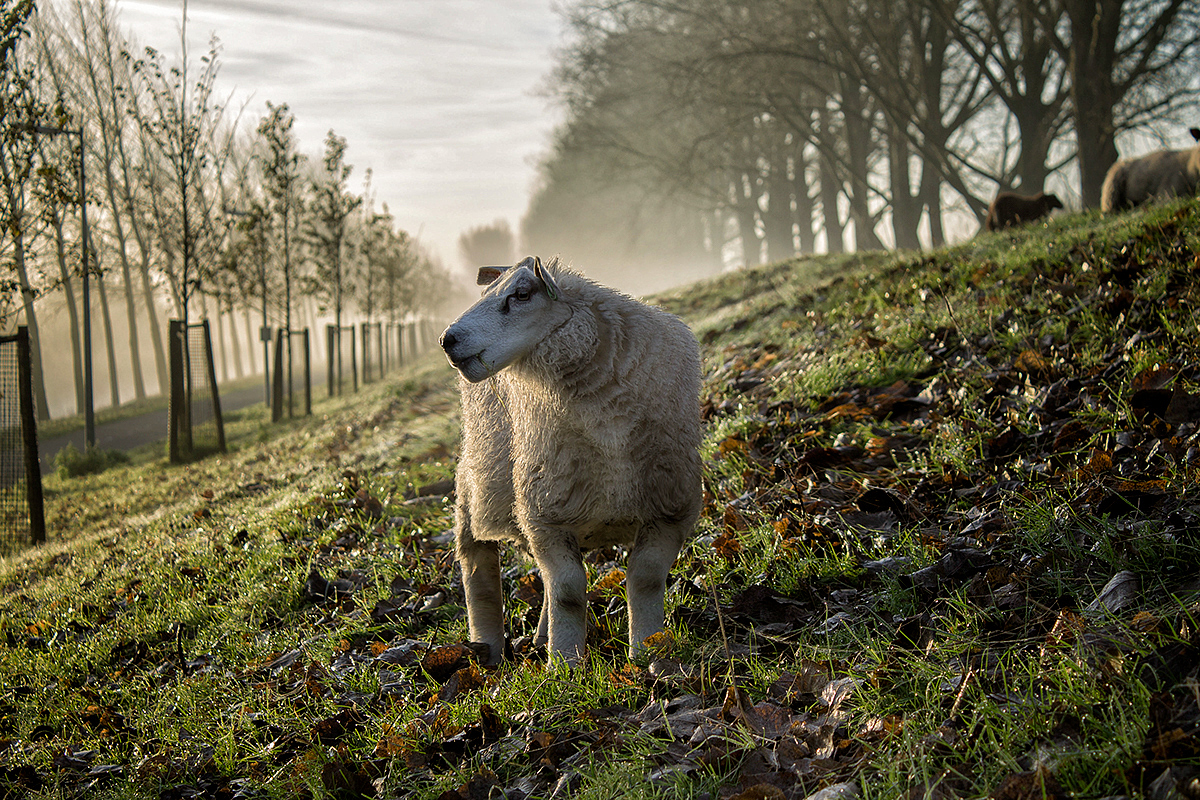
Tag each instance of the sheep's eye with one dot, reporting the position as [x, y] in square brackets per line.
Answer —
[521, 294]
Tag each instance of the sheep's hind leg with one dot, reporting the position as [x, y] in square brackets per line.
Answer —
[485, 605]
[564, 609]
[650, 561]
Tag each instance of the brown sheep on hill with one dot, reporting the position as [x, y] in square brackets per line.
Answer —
[1163, 173]
[1013, 209]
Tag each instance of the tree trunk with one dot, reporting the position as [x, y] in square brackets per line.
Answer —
[748, 233]
[178, 293]
[931, 199]
[906, 209]
[35, 339]
[1037, 128]
[120, 236]
[114, 386]
[222, 351]
[778, 221]
[1094, 30]
[135, 345]
[234, 345]
[831, 218]
[741, 203]
[156, 337]
[68, 286]
[858, 150]
[251, 340]
[805, 205]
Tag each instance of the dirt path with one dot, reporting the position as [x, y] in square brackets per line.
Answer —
[127, 434]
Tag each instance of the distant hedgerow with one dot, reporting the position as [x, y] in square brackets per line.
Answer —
[71, 463]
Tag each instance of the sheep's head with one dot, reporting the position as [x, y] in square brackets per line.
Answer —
[520, 307]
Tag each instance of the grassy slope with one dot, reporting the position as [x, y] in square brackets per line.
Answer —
[921, 471]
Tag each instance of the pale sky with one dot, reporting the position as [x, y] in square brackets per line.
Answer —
[438, 97]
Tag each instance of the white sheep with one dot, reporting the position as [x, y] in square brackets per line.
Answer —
[1163, 173]
[581, 428]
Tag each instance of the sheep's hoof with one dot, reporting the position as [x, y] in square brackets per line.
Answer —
[528, 648]
[482, 652]
[556, 660]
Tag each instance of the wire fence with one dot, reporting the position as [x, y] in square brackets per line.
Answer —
[22, 518]
[374, 355]
[343, 358]
[196, 426]
[292, 382]
[406, 341]
[206, 405]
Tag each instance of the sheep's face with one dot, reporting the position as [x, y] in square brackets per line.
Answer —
[520, 307]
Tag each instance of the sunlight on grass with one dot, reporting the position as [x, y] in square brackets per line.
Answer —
[923, 474]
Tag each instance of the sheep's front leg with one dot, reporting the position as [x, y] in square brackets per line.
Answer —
[543, 630]
[485, 606]
[650, 560]
[564, 609]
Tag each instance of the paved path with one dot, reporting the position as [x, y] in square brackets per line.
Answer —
[128, 434]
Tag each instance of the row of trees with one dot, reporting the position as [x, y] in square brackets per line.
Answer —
[195, 212]
[787, 126]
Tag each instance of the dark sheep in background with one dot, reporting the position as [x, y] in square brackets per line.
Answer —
[1161, 174]
[1013, 209]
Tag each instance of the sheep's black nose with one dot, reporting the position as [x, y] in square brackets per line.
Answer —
[448, 340]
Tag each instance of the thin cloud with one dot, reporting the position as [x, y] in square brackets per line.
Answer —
[441, 18]
[438, 99]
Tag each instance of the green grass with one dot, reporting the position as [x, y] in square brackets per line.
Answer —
[920, 472]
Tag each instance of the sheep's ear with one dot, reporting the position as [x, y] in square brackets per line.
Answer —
[488, 275]
[546, 278]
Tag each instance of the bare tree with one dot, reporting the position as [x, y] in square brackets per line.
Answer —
[325, 230]
[247, 252]
[106, 94]
[655, 121]
[611, 223]
[390, 259]
[865, 107]
[722, 106]
[279, 164]
[898, 60]
[176, 126]
[1012, 47]
[1131, 64]
[55, 190]
[64, 70]
[20, 108]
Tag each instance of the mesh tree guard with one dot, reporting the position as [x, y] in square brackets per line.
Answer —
[22, 516]
[343, 358]
[195, 425]
[292, 378]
